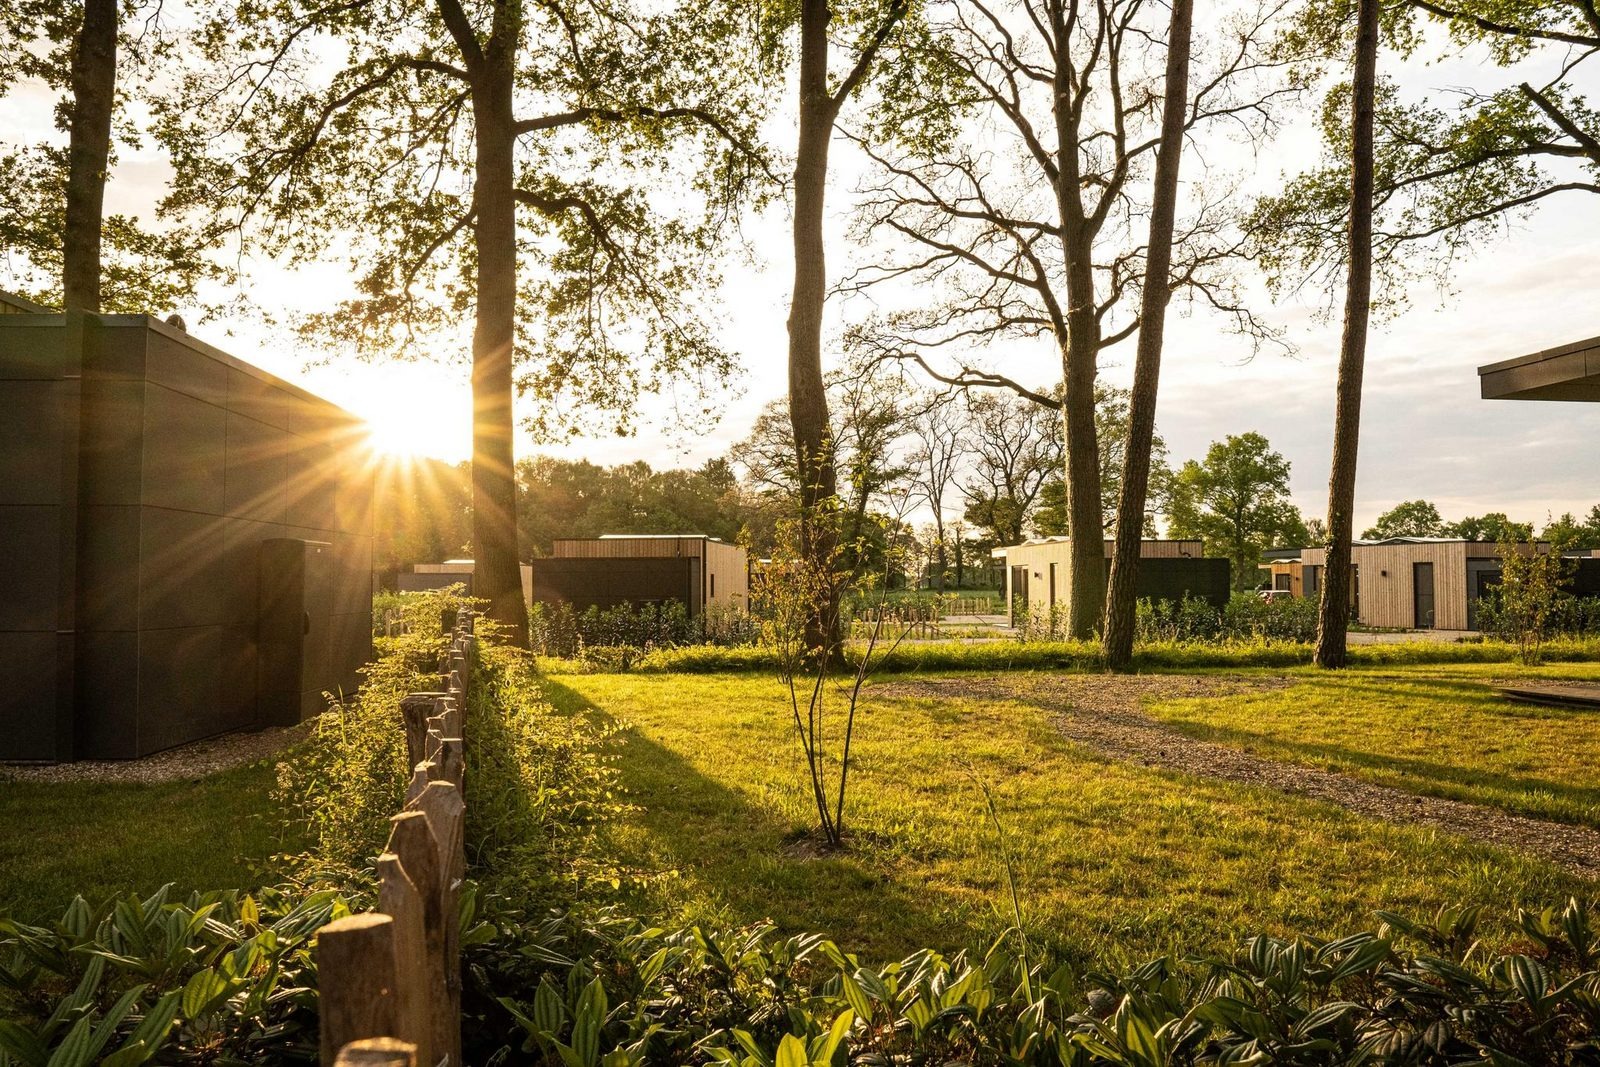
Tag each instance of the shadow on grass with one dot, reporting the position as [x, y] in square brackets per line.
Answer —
[1522, 794]
[736, 861]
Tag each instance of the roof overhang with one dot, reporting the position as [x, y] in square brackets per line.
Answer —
[1569, 372]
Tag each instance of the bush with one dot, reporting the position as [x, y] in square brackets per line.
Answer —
[1569, 616]
[556, 630]
[542, 786]
[1246, 617]
[1408, 992]
[350, 777]
[218, 978]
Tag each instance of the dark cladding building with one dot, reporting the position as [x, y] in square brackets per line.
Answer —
[188, 540]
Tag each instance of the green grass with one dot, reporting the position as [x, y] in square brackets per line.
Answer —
[1440, 733]
[1116, 862]
[99, 839]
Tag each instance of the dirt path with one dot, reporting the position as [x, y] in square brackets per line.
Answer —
[1104, 713]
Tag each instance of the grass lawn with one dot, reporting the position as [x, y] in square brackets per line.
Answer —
[1427, 730]
[1116, 863]
[101, 839]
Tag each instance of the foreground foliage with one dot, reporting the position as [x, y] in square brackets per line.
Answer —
[216, 978]
[1405, 993]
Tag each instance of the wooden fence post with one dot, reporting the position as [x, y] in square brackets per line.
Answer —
[380, 1052]
[451, 761]
[356, 981]
[411, 839]
[441, 803]
[414, 711]
[401, 900]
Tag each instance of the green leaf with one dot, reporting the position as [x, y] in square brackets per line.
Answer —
[77, 1049]
[792, 1052]
[202, 992]
[22, 1044]
[855, 996]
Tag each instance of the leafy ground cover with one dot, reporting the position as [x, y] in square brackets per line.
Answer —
[1115, 863]
[102, 838]
[1443, 733]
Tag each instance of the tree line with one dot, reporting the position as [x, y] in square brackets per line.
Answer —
[493, 174]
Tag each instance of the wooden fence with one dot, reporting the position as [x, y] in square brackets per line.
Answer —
[389, 981]
[914, 620]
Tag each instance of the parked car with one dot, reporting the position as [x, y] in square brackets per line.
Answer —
[1270, 595]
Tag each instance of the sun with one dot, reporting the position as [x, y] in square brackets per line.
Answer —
[413, 412]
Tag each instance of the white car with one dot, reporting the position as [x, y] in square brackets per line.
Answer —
[1270, 595]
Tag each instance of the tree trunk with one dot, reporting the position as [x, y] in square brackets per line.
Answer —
[808, 399]
[1120, 606]
[1086, 566]
[497, 572]
[94, 89]
[1333, 616]
[1080, 351]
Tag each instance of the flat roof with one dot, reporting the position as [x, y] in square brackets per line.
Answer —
[57, 319]
[19, 303]
[1566, 372]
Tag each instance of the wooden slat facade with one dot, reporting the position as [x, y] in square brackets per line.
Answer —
[1386, 581]
[1047, 564]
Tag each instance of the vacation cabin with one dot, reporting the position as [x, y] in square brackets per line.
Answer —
[188, 540]
[1037, 573]
[1414, 583]
[609, 571]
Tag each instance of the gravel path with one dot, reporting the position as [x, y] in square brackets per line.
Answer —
[196, 760]
[1104, 713]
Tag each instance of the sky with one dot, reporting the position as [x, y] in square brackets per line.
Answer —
[1425, 431]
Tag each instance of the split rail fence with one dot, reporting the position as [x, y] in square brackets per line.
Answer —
[389, 981]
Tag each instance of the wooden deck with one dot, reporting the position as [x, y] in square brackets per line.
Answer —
[1561, 696]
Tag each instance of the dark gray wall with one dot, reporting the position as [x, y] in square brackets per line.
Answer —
[609, 583]
[156, 475]
[1173, 578]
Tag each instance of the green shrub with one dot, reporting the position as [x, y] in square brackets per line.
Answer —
[556, 630]
[217, 978]
[623, 994]
[350, 777]
[542, 786]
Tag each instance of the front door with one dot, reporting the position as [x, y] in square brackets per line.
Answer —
[1422, 595]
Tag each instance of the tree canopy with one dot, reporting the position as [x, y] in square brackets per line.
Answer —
[1236, 500]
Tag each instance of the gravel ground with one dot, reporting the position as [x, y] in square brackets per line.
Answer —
[196, 760]
[1104, 713]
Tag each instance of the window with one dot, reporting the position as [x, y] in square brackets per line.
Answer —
[713, 587]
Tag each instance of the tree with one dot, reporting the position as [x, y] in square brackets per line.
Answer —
[1450, 177]
[1139, 453]
[1015, 448]
[1111, 418]
[1495, 526]
[1569, 530]
[872, 421]
[1316, 533]
[936, 431]
[1040, 238]
[498, 147]
[1531, 585]
[1410, 518]
[821, 100]
[1237, 501]
[1333, 616]
[61, 247]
